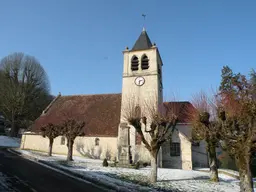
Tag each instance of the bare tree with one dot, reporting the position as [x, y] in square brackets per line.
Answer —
[51, 131]
[237, 111]
[159, 123]
[206, 127]
[24, 89]
[72, 129]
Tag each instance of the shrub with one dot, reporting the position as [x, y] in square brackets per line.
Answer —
[105, 163]
[137, 165]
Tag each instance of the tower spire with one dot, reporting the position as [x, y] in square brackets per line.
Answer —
[143, 15]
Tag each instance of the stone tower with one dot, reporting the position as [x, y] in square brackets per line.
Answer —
[142, 82]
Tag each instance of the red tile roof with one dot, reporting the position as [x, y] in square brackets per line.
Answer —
[101, 113]
[181, 109]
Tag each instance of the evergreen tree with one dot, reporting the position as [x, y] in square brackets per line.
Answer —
[237, 112]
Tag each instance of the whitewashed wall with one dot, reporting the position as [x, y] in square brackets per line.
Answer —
[83, 146]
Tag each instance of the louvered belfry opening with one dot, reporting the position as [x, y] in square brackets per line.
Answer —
[144, 62]
[135, 64]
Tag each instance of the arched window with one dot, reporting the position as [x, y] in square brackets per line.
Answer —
[97, 141]
[62, 140]
[144, 62]
[135, 63]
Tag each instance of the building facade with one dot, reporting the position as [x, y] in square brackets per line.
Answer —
[107, 132]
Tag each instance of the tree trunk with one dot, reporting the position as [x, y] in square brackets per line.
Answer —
[246, 183]
[70, 150]
[50, 147]
[153, 174]
[14, 130]
[213, 162]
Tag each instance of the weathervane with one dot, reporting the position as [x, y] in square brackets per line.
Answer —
[143, 15]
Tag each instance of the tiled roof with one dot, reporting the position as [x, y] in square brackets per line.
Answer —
[181, 109]
[101, 113]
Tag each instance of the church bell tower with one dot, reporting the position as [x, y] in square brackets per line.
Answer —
[142, 83]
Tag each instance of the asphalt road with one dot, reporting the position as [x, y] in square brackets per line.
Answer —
[21, 175]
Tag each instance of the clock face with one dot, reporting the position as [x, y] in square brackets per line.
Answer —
[139, 81]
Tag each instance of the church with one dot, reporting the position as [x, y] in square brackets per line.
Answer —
[103, 114]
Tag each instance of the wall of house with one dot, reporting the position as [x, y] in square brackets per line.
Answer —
[140, 153]
[169, 161]
[184, 161]
[199, 155]
[83, 146]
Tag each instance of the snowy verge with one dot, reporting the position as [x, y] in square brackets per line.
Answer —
[6, 141]
[125, 179]
[228, 172]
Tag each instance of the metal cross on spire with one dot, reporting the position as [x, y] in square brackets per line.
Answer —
[143, 15]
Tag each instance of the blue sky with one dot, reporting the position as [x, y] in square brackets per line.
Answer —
[80, 42]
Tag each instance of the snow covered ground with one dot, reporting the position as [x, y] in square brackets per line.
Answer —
[229, 171]
[168, 179]
[9, 141]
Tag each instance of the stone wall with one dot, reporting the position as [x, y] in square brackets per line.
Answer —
[184, 161]
[83, 146]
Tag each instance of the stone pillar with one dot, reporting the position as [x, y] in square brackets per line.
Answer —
[124, 143]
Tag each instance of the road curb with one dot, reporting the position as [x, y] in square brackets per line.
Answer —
[14, 151]
[108, 186]
[21, 154]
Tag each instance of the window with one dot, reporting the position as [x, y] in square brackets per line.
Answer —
[175, 149]
[159, 72]
[144, 62]
[161, 85]
[97, 141]
[196, 143]
[135, 63]
[62, 140]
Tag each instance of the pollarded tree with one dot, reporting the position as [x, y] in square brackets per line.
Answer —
[237, 111]
[206, 127]
[51, 131]
[72, 129]
[24, 89]
[159, 123]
